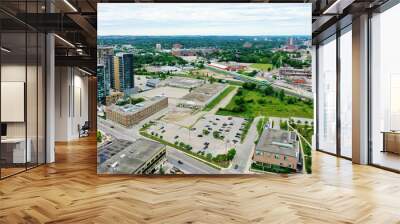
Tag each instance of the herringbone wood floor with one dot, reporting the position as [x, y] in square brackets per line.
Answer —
[69, 191]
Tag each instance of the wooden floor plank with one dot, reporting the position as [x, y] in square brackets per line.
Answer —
[70, 191]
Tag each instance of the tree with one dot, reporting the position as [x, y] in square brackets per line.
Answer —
[99, 136]
[231, 154]
[161, 170]
[281, 95]
[268, 91]
[249, 85]
[209, 156]
[261, 101]
[239, 101]
[283, 125]
[211, 79]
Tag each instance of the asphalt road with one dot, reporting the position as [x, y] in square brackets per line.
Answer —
[117, 131]
[189, 165]
[245, 151]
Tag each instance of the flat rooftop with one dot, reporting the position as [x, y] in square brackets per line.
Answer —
[183, 81]
[131, 158]
[278, 142]
[130, 109]
[203, 93]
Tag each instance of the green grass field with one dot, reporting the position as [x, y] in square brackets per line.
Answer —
[262, 67]
[271, 107]
[218, 99]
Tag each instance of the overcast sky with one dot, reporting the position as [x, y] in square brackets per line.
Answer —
[204, 19]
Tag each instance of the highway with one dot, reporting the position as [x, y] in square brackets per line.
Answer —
[251, 79]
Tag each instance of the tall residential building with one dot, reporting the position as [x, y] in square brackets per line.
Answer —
[116, 74]
[102, 52]
[102, 87]
[109, 71]
[128, 79]
[123, 73]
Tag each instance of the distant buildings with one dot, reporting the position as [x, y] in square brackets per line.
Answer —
[229, 67]
[158, 47]
[114, 72]
[277, 147]
[219, 66]
[129, 114]
[247, 45]
[294, 72]
[177, 46]
[126, 157]
[290, 46]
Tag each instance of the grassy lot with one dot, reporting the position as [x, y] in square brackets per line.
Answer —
[262, 67]
[246, 129]
[260, 127]
[218, 99]
[257, 104]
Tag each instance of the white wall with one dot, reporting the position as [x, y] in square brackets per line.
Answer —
[71, 102]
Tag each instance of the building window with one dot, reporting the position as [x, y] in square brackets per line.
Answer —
[346, 93]
[327, 95]
[385, 89]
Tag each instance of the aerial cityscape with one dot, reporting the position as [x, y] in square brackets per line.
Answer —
[201, 102]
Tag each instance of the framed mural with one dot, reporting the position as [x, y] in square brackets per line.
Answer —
[204, 88]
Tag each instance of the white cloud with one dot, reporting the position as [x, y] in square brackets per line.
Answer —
[203, 19]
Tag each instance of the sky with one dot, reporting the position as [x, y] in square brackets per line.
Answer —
[162, 19]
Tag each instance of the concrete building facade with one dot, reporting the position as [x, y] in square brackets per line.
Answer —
[277, 147]
[129, 114]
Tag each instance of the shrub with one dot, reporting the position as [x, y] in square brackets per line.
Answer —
[231, 154]
[99, 136]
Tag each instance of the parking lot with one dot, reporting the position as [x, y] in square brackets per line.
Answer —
[211, 134]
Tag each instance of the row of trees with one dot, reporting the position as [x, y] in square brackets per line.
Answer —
[157, 59]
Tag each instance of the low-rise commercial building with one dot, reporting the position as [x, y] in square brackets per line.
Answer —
[201, 96]
[129, 114]
[294, 72]
[153, 83]
[126, 157]
[277, 147]
[182, 82]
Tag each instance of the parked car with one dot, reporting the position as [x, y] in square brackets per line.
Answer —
[180, 162]
[199, 136]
